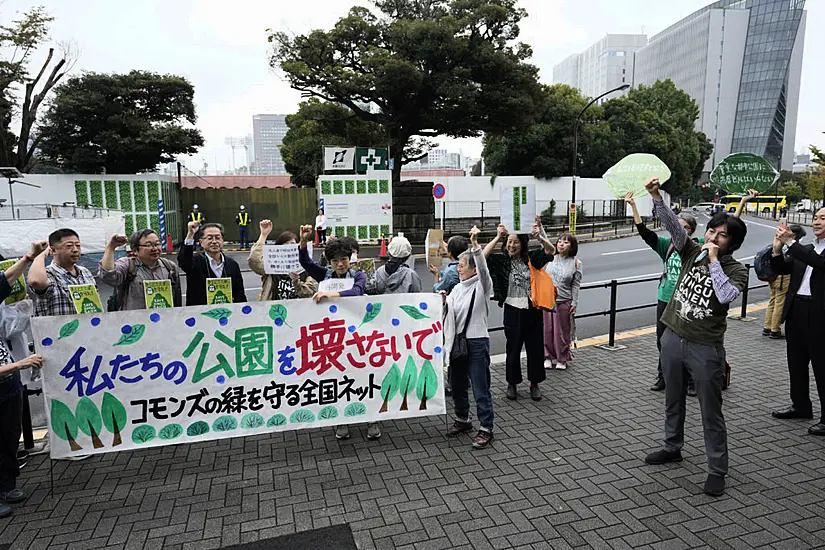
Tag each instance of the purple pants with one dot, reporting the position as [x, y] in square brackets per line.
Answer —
[557, 333]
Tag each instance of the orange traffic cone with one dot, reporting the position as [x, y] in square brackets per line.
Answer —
[169, 247]
[383, 252]
[317, 240]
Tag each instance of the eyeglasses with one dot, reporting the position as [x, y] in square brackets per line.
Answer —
[150, 245]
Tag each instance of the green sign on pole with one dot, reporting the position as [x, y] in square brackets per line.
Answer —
[742, 171]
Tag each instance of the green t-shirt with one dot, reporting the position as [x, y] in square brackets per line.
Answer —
[673, 266]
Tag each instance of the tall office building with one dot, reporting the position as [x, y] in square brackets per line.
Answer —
[741, 60]
[605, 65]
[268, 133]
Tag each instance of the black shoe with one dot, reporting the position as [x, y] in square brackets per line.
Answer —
[658, 385]
[482, 439]
[792, 412]
[459, 428]
[766, 332]
[512, 394]
[777, 336]
[691, 389]
[535, 392]
[663, 457]
[817, 429]
[715, 485]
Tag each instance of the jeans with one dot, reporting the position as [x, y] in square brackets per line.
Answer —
[475, 370]
[11, 418]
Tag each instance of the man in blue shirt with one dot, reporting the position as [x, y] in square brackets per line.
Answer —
[447, 279]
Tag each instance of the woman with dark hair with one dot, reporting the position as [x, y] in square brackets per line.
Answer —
[510, 271]
[279, 287]
[566, 272]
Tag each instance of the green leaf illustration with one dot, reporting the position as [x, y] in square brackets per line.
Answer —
[218, 313]
[225, 424]
[408, 380]
[89, 421]
[68, 329]
[327, 413]
[277, 420]
[252, 421]
[64, 424]
[135, 334]
[414, 312]
[171, 431]
[427, 384]
[278, 311]
[197, 428]
[389, 386]
[143, 434]
[371, 314]
[355, 409]
[114, 416]
[302, 416]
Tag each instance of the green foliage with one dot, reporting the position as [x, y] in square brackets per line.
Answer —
[64, 424]
[139, 189]
[123, 123]
[68, 329]
[355, 409]
[143, 434]
[130, 224]
[125, 195]
[154, 222]
[252, 421]
[111, 194]
[141, 221]
[81, 192]
[327, 413]
[197, 428]
[96, 193]
[135, 334]
[88, 417]
[170, 431]
[218, 313]
[390, 383]
[548, 213]
[302, 416]
[278, 311]
[277, 420]
[414, 312]
[113, 413]
[418, 70]
[372, 313]
[408, 380]
[225, 424]
[427, 384]
[792, 191]
[153, 195]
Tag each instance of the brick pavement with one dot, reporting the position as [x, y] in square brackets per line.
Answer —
[566, 472]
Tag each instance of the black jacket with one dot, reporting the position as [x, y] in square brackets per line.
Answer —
[795, 263]
[196, 267]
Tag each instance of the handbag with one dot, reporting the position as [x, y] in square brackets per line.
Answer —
[542, 289]
[459, 350]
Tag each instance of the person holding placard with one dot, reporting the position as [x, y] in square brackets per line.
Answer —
[446, 280]
[210, 264]
[338, 280]
[129, 275]
[279, 286]
[50, 285]
[523, 323]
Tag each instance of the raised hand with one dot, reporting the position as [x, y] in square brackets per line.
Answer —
[628, 198]
[652, 186]
[501, 230]
[306, 233]
[38, 247]
[265, 227]
[475, 231]
[193, 227]
[432, 269]
[117, 240]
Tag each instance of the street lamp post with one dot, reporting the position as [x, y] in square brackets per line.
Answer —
[570, 213]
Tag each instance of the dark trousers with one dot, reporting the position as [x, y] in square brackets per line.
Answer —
[660, 329]
[244, 236]
[322, 236]
[803, 331]
[474, 370]
[11, 418]
[524, 328]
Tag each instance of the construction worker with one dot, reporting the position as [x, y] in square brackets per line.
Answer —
[242, 219]
[196, 216]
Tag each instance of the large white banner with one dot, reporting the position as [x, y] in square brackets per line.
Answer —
[339, 158]
[148, 378]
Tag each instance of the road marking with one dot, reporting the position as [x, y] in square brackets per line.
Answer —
[625, 251]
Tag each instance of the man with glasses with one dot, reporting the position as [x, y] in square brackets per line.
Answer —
[51, 284]
[127, 275]
[210, 264]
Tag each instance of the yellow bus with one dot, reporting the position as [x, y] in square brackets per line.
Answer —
[762, 203]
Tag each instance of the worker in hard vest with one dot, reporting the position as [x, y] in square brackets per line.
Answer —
[196, 216]
[242, 219]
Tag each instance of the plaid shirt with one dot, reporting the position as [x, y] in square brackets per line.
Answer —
[55, 300]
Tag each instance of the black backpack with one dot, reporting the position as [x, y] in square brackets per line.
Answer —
[762, 265]
[118, 297]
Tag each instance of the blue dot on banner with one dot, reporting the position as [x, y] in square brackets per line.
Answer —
[190, 322]
[47, 342]
[155, 317]
[423, 305]
[437, 349]
[369, 307]
[126, 329]
[95, 321]
[333, 309]
[395, 322]
[247, 310]
[223, 321]
[279, 322]
[351, 328]
[221, 379]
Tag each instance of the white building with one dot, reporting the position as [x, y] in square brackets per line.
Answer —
[268, 133]
[741, 60]
[605, 65]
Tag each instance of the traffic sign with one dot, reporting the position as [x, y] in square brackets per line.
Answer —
[439, 191]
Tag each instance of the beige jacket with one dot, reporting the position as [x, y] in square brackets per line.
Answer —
[279, 287]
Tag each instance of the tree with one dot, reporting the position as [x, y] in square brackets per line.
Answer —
[120, 123]
[819, 159]
[420, 69]
[316, 124]
[22, 38]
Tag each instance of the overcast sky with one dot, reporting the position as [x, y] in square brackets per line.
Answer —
[221, 47]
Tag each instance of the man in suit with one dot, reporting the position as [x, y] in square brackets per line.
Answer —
[804, 316]
[208, 264]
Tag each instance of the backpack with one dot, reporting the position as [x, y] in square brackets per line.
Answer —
[762, 265]
[118, 297]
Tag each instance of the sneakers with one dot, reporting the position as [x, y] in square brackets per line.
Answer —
[549, 364]
[691, 389]
[535, 392]
[459, 428]
[342, 432]
[766, 332]
[14, 496]
[658, 385]
[561, 366]
[715, 485]
[482, 439]
[663, 456]
[373, 431]
[512, 394]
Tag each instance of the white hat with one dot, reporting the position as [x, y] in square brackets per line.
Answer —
[399, 247]
[194, 207]
[243, 207]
